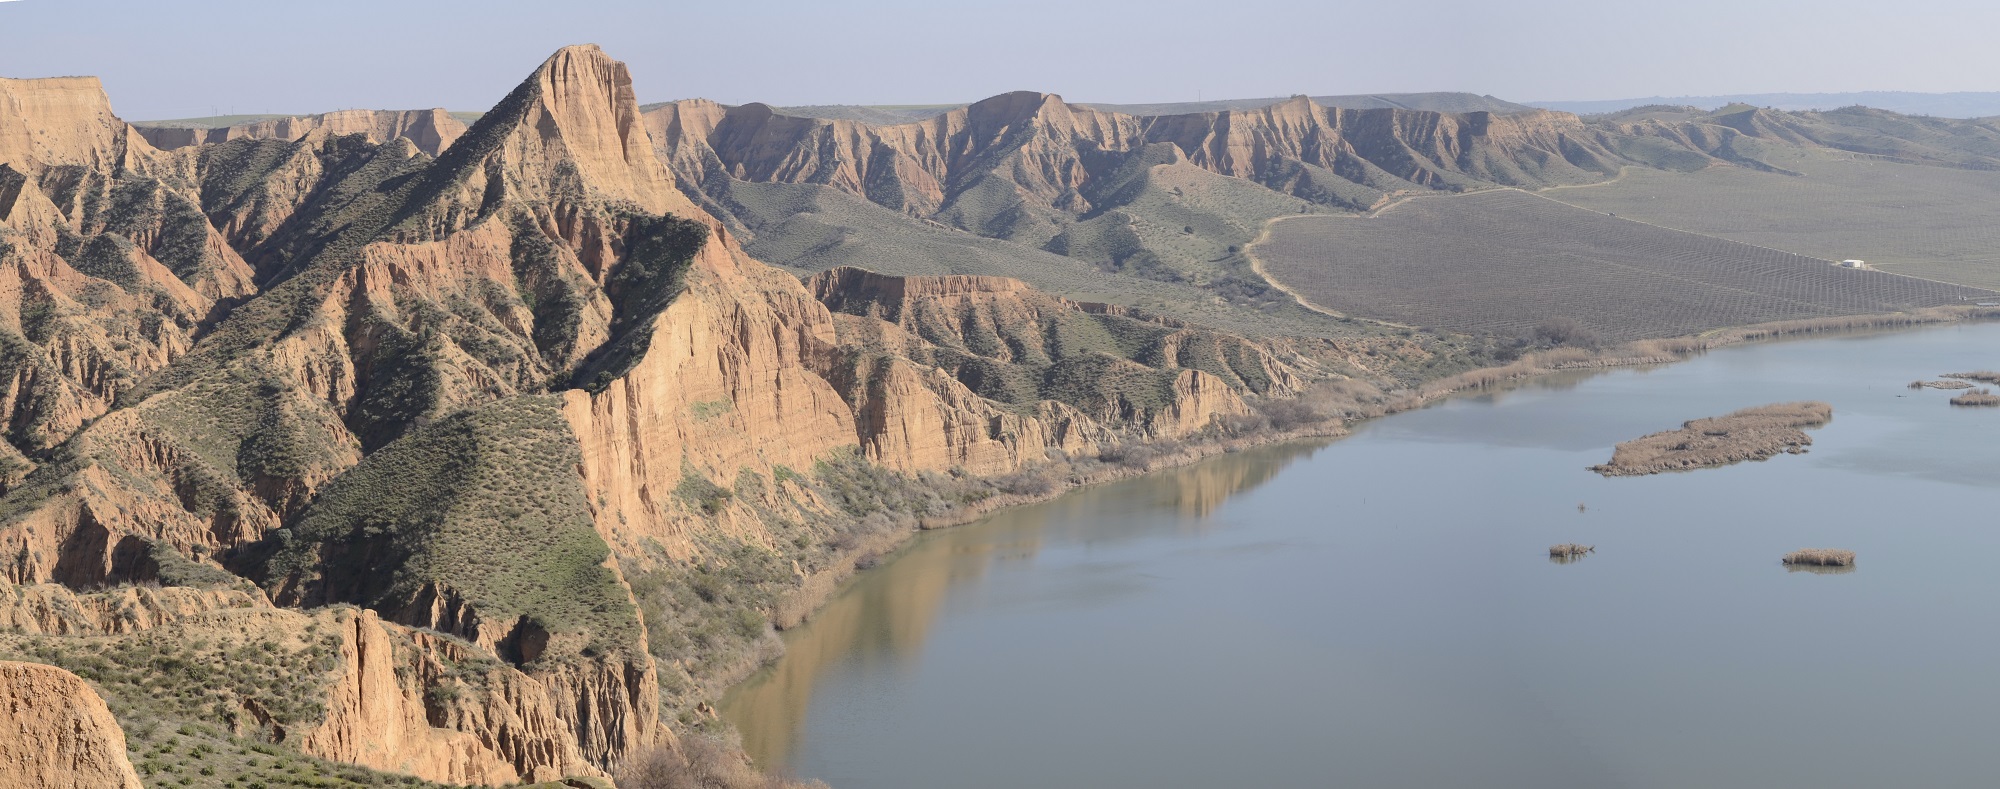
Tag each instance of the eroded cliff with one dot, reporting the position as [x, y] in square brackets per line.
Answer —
[569, 449]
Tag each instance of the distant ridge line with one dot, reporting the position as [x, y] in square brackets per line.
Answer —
[1963, 104]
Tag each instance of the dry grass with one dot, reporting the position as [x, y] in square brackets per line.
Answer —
[1923, 384]
[699, 763]
[1570, 550]
[1749, 434]
[1982, 376]
[1821, 557]
[1977, 397]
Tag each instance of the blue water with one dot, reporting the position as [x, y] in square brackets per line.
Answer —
[1380, 611]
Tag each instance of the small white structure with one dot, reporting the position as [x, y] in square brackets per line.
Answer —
[1853, 264]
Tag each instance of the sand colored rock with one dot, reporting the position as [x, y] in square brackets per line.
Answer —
[397, 288]
[496, 725]
[581, 109]
[1044, 155]
[58, 733]
[48, 609]
[739, 344]
[431, 131]
[507, 733]
[62, 121]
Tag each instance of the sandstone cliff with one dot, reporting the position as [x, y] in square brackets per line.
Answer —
[353, 688]
[431, 131]
[523, 402]
[59, 735]
[1020, 165]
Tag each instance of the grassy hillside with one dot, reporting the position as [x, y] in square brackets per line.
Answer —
[810, 228]
[484, 505]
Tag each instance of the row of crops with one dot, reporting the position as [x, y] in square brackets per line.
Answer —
[1505, 261]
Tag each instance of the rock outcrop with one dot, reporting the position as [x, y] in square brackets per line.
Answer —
[472, 387]
[63, 121]
[490, 728]
[59, 734]
[431, 131]
[1021, 164]
[391, 697]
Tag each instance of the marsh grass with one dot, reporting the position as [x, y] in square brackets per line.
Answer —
[1977, 397]
[1820, 557]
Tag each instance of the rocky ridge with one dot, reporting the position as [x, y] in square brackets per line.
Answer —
[431, 131]
[482, 395]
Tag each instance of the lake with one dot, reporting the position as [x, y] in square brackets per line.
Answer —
[1380, 611]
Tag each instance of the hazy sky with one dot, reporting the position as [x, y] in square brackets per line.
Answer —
[200, 57]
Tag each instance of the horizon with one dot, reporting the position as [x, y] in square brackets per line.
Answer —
[254, 62]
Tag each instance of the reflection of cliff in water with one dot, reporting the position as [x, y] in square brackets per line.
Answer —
[885, 614]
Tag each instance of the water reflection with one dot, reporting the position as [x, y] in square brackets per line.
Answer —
[882, 619]
[1818, 569]
[1381, 599]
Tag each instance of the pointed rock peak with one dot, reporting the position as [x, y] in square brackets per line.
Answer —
[588, 93]
[24, 209]
[58, 121]
[579, 106]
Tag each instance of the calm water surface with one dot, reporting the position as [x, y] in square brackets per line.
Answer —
[1380, 611]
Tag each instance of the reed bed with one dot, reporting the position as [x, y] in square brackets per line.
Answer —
[1570, 550]
[1820, 557]
[1977, 397]
[1982, 376]
[1923, 384]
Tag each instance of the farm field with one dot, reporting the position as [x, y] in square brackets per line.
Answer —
[1504, 261]
[1931, 222]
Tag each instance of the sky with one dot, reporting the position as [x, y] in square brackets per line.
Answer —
[206, 57]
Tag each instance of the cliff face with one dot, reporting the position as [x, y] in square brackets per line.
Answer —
[493, 727]
[377, 694]
[64, 121]
[981, 166]
[59, 733]
[431, 131]
[473, 389]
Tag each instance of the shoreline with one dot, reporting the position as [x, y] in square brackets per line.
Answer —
[817, 589]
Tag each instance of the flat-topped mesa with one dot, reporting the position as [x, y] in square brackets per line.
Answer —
[431, 130]
[1750, 434]
[62, 121]
[844, 285]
